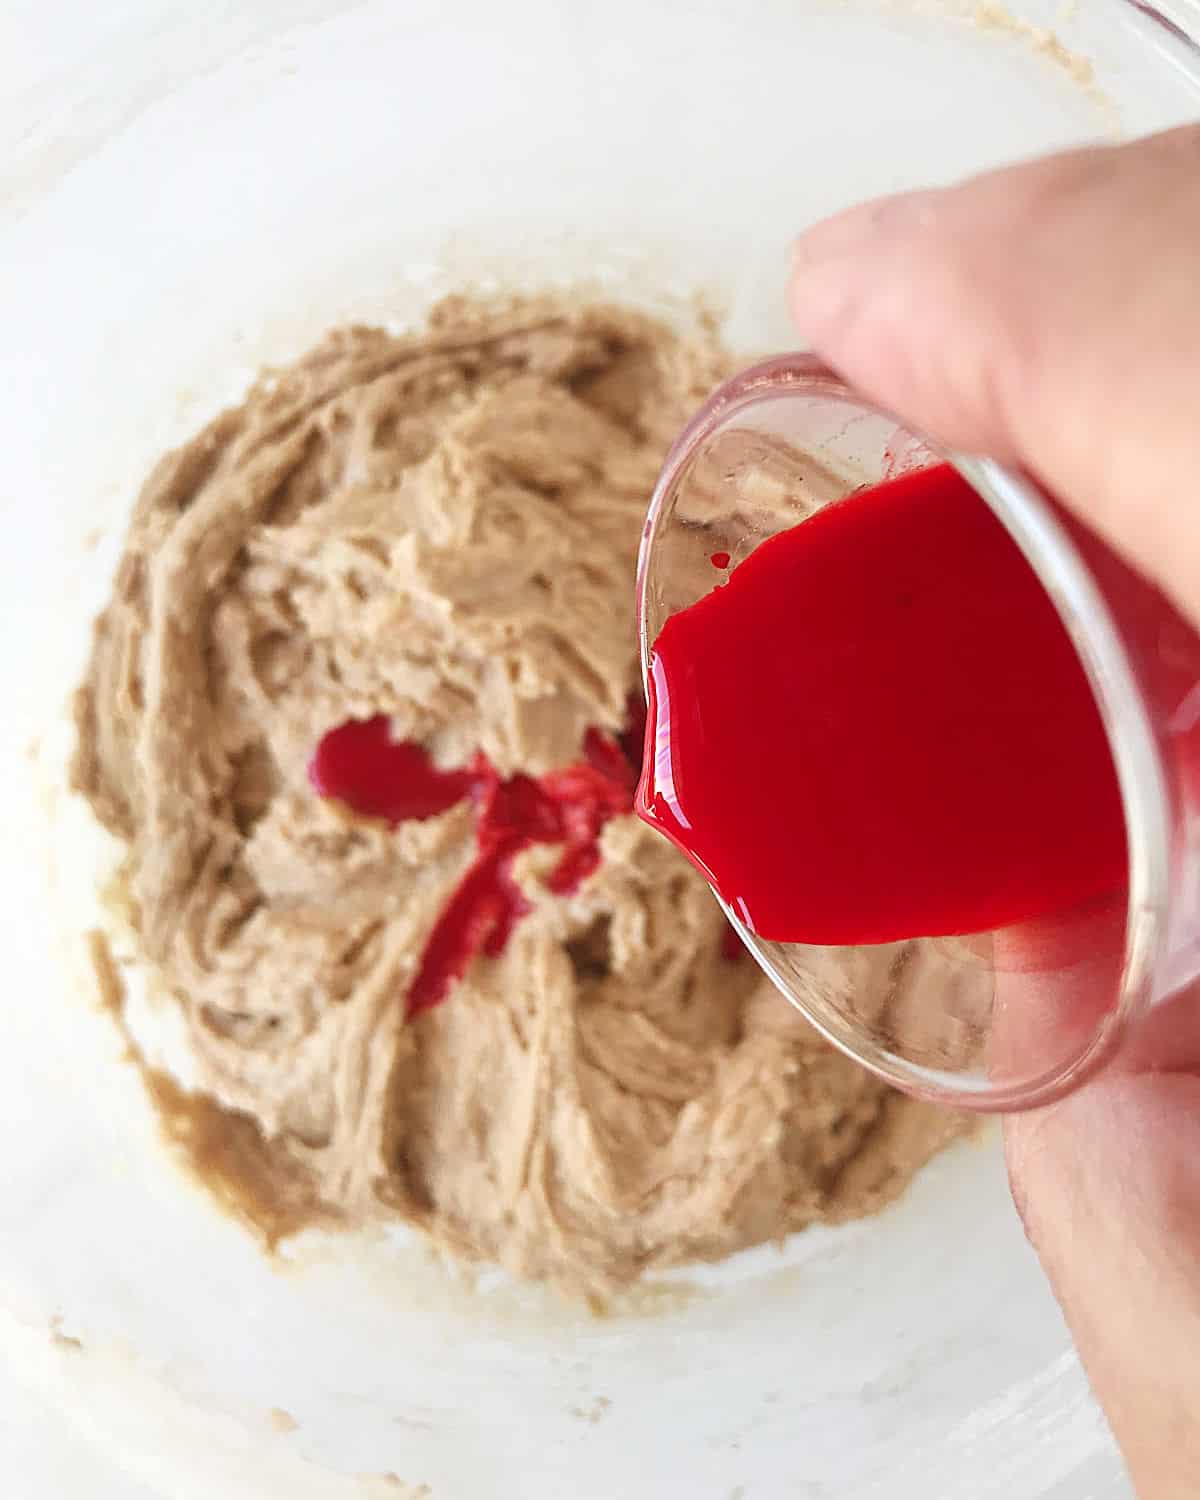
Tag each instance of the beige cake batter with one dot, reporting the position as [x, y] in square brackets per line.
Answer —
[442, 528]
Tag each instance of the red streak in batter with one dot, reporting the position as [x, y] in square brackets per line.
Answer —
[359, 764]
[878, 728]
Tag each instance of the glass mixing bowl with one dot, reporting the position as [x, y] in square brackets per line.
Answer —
[191, 192]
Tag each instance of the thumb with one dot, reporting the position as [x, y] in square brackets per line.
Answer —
[1047, 315]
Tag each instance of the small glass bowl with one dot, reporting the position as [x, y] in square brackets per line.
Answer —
[1005, 1020]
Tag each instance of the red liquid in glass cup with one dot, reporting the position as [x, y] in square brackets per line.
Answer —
[886, 724]
[879, 728]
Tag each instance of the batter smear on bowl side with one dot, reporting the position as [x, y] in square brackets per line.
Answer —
[359, 711]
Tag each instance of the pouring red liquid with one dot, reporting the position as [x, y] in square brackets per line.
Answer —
[878, 728]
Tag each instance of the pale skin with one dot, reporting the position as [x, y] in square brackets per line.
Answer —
[1049, 315]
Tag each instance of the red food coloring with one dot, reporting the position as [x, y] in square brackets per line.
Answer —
[478, 918]
[720, 559]
[362, 766]
[878, 729]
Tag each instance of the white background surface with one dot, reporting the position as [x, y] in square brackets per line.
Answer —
[186, 192]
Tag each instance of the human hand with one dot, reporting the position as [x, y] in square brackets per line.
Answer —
[1048, 315]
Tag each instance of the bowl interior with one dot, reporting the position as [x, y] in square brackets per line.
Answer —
[203, 192]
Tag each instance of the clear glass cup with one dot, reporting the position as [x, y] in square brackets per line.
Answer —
[1003, 1020]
